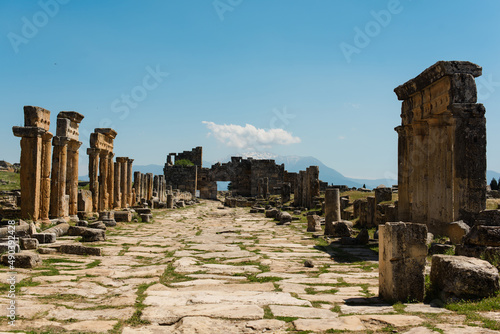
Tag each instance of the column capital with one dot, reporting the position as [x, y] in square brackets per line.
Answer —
[74, 145]
[60, 141]
[104, 153]
[93, 151]
[28, 131]
[121, 159]
[130, 161]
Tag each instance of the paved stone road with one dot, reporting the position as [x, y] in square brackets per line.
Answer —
[204, 269]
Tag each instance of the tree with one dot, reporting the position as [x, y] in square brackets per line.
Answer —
[494, 184]
[183, 162]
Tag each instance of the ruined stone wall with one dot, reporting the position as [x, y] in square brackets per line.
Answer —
[442, 146]
[183, 178]
[195, 156]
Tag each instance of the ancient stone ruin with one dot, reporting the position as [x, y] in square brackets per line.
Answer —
[442, 146]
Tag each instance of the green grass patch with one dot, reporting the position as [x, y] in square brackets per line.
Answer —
[93, 264]
[170, 276]
[135, 319]
[13, 181]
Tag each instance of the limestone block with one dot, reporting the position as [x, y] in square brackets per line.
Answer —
[28, 243]
[481, 235]
[45, 238]
[285, 217]
[383, 194]
[457, 231]
[146, 217]
[6, 247]
[84, 200]
[76, 230]
[99, 225]
[80, 250]
[338, 229]
[123, 216]
[313, 223]
[93, 234]
[402, 256]
[23, 260]
[463, 277]
[363, 237]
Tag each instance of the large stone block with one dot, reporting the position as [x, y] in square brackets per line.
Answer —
[80, 250]
[313, 223]
[23, 260]
[402, 253]
[93, 235]
[457, 231]
[45, 238]
[383, 194]
[123, 216]
[461, 277]
[481, 235]
[84, 200]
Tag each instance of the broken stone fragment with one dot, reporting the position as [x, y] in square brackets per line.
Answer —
[461, 277]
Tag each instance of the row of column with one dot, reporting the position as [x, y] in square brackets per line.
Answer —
[49, 181]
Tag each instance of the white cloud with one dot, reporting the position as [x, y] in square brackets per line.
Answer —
[341, 137]
[249, 137]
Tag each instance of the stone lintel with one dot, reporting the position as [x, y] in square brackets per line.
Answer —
[106, 131]
[36, 117]
[71, 115]
[434, 73]
[28, 131]
[121, 159]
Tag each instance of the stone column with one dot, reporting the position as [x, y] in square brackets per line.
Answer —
[332, 205]
[149, 177]
[58, 187]
[111, 180]
[123, 181]
[31, 170]
[129, 182]
[103, 181]
[94, 176]
[117, 184]
[45, 176]
[170, 200]
[72, 177]
[137, 185]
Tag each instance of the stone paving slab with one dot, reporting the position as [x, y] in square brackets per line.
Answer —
[301, 312]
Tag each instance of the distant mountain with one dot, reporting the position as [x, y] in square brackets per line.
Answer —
[295, 164]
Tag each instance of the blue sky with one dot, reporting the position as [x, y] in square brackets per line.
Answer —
[174, 74]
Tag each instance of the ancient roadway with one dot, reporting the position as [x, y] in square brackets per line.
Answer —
[207, 269]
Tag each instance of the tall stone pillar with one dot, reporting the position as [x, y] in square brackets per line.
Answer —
[332, 205]
[94, 176]
[103, 181]
[442, 146]
[123, 186]
[45, 176]
[58, 187]
[117, 184]
[129, 182]
[111, 180]
[149, 177]
[72, 178]
[137, 185]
